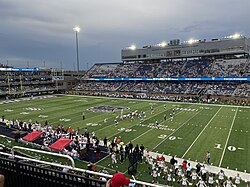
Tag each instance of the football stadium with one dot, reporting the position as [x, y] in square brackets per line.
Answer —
[171, 114]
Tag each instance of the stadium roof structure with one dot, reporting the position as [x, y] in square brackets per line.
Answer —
[61, 144]
[32, 136]
[231, 45]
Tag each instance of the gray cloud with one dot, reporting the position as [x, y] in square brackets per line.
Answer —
[38, 30]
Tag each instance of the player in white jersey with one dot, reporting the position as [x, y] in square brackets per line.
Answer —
[237, 180]
[210, 180]
[194, 177]
[221, 177]
[184, 181]
[228, 182]
[113, 158]
[171, 117]
[201, 183]
[169, 179]
[154, 174]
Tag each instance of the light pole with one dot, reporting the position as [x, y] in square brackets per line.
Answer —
[77, 29]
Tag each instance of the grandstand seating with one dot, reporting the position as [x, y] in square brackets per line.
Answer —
[17, 82]
[236, 67]
[229, 68]
[176, 68]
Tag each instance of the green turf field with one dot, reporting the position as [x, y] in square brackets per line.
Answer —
[195, 129]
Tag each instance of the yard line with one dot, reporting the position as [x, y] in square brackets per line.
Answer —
[152, 129]
[222, 156]
[201, 132]
[148, 118]
[175, 130]
[140, 135]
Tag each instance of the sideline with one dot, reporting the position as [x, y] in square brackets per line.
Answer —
[206, 104]
[213, 169]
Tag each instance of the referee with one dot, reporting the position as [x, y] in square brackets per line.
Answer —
[208, 158]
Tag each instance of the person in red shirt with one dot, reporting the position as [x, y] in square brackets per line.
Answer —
[158, 158]
[162, 158]
[184, 164]
[94, 168]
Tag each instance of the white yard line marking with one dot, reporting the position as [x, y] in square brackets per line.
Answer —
[153, 129]
[175, 130]
[223, 153]
[141, 134]
[201, 133]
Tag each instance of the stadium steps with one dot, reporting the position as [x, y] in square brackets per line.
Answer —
[182, 68]
[210, 73]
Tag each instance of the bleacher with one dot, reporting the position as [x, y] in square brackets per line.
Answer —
[229, 68]
[192, 68]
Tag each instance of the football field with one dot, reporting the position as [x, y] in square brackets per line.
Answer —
[194, 129]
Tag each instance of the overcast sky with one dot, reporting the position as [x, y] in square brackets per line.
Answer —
[37, 31]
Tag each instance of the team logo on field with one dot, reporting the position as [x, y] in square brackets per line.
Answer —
[24, 113]
[104, 108]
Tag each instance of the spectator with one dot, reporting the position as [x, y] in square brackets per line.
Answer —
[118, 180]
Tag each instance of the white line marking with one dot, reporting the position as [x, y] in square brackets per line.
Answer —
[152, 129]
[176, 130]
[202, 104]
[222, 156]
[201, 132]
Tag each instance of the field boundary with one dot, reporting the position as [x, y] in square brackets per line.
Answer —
[206, 104]
[213, 169]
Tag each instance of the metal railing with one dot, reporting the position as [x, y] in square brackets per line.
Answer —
[26, 168]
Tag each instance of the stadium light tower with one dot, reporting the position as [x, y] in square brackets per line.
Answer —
[77, 29]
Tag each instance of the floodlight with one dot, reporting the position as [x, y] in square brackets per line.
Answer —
[236, 36]
[76, 28]
[132, 47]
[163, 44]
[191, 41]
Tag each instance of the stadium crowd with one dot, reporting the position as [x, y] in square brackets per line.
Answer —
[237, 67]
[197, 91]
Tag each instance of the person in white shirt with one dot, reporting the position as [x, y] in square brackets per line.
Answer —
[169, 179]
[113, 158]
[154, 173]
[188, 172]
[176, 166]
[210, 180]
[237, 180]
[221, 177]
[194, 177]
[228, 182]
[201, 183]
[203, 173]
[184, 181]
